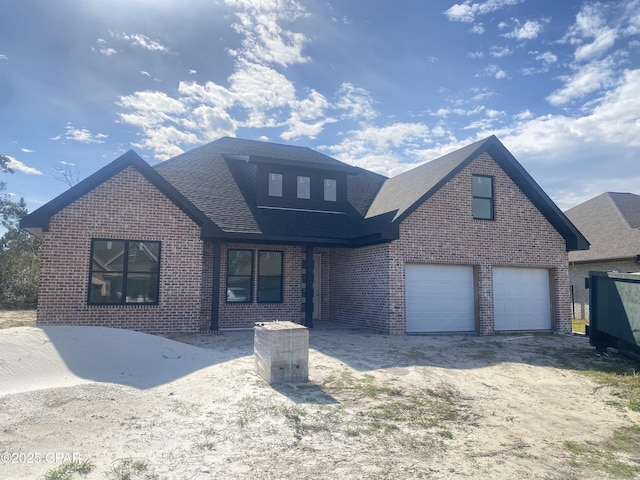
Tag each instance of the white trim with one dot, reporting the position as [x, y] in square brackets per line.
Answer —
[301, 210]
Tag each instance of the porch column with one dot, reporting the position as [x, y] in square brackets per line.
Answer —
[215, 293]
[308, 297]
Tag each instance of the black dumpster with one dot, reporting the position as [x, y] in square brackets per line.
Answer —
[614, 311]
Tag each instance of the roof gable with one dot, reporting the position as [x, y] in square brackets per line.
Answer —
[406, 192]
[38, 220]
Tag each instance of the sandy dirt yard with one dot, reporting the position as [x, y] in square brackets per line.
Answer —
[402, 407]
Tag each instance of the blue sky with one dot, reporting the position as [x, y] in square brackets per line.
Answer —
[379, 84]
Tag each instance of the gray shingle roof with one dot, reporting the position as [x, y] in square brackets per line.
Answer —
[403, 191]
[611, 223]
[215, 184]
[219, 184]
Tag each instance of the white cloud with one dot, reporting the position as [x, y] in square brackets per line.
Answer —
[530, 30]
[478, 29]
[586, 79]
[265, 41]
[103, 48]
[145, 42]
[468, 11]
[356, 103]
[18, 166]
[375, 148]
[257, 94]
[494, 71]
[591, 24]
[3, 57]
[632, 14]
[80, 135]
[498, 52]
[26, 150]
[601, 44]
[547, 57]
[475, 54]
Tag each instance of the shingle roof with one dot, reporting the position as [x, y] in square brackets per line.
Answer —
[611, 223]
[223, 187]
[216, 185]
[403, 191]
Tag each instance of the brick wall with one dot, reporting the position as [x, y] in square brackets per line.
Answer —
[443, 231]
[580, 271]
[244, 315]
[126, 207]
[359, 287]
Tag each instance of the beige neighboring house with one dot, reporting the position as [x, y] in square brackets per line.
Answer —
[611, 224]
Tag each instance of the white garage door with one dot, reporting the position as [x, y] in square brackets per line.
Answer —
[521, 299]
[439, 298]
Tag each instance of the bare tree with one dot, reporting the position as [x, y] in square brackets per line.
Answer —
[67, 173]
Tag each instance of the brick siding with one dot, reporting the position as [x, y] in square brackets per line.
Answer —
[126, 207]
[364, 287]
[442, 231]
[244, 315]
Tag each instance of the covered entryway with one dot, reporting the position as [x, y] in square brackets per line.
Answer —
[439, 298]
[521, 299]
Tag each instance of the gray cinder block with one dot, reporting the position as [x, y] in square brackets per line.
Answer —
[281, 351]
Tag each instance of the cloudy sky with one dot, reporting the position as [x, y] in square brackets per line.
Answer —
[379, 84]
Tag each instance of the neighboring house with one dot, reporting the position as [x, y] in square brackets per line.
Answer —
[238, 231]
[611, 223]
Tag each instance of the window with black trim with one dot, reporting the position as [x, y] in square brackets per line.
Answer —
[482, 197]
[269, 277]
[330, 190]
[124, 272]
[239, 276]
[275, 184]
[304, 187]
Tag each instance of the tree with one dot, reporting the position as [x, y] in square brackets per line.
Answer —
[67, 173]
[19, 260]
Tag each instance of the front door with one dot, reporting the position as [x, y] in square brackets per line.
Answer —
[317, 286]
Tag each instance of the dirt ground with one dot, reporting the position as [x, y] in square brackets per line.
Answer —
[17, 318]
[441, 407]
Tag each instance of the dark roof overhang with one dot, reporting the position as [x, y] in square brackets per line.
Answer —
[574, 240]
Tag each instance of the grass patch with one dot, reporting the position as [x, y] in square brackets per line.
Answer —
[579, 326]
[130, 469]
[67, 471]
[383, 407]
[625, 379]
[613, 456]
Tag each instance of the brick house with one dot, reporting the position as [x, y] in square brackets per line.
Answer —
[611, 223]
[240, 231]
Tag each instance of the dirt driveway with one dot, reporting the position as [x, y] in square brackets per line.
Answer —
[501, 407]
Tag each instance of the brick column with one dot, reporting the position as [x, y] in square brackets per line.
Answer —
[484, 275]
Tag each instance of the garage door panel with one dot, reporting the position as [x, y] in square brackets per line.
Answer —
[439, 298]
[522, 299]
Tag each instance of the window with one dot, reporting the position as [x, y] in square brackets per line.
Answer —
[239, 274]
[329, 190]
[270, 277]
[482, 197]
[304, 187]
[124, 272]
[275, 184]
